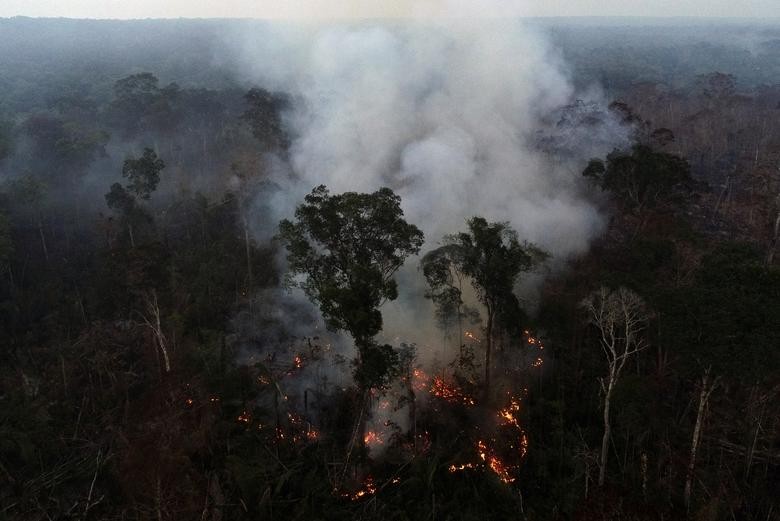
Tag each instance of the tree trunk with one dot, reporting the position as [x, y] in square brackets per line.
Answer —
[607, 433]
[248, 247]
[587, 479]
[43, 241]
[461, 344]
[130, 231]
[412, 409]
[773, 243]
[488, 350]
[704, 394]
[155, 324]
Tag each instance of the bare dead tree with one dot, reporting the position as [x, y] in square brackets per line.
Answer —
[153, 322]
[620, 316]
[707, 385]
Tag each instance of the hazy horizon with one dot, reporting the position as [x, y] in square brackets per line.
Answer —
[403, 9]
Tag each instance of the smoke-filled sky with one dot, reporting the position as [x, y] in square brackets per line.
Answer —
[385, 8]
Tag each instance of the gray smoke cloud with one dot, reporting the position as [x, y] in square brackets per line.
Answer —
[447, 114]
[459, 118]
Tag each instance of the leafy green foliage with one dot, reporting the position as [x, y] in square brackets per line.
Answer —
[377, 366]
[264, 117]
[143, 173]
[729, 316]
[491, 257]
[347, 247]
[68, 146]
[119, 198]
[640, 178]
[140, 105]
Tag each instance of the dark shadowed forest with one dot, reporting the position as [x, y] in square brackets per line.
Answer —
[257, 271]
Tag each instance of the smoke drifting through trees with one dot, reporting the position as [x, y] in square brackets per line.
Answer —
[446, 114]
[443, 114]
[259, 403]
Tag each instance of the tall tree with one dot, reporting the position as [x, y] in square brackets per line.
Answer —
[31, 196]
[143, 175]
[264, 116]
[441, 269]
[725, 325]
[62, 151]
[619, 316]
[492, 258]
[343, 251]
[641, 177]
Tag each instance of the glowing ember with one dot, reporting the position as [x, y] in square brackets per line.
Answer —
[369, 489]
[462, 466]
[508, 414]
[496, 465]
[450, 393]
[298, 361]
[373, 438]
[471, 336]
[523, 445]
[419, 380]
[244, 417]
[189, 402]
[536, 342]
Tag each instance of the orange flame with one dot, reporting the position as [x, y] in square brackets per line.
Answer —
[369, 489]
[471, 336]
[419, 380]
[462, 466]
[496, 465]
[373, 438]
[450, 393]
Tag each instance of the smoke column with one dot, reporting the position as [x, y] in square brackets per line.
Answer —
[444, 112]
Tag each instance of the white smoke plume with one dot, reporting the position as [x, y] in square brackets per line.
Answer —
[447, 113]
[455, 116]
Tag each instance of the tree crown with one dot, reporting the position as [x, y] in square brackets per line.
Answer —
[143, 173]
[347, 247]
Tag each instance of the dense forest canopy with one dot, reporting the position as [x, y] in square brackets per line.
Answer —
[527, 270]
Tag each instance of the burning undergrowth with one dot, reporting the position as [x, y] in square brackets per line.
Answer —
[448, 117]
[302, 399]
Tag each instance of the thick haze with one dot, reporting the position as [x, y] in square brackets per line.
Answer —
[381, 9]
[445, 114]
